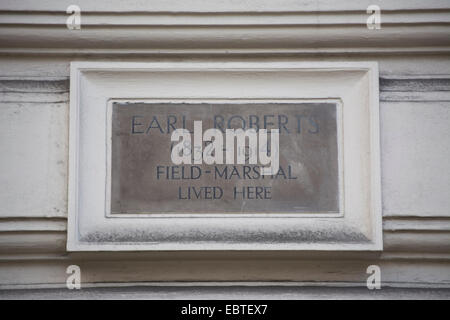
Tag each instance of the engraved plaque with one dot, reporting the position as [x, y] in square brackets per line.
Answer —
[145, 180]
[278, 162]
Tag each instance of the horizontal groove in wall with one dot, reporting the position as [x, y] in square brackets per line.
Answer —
[255, 6]
[391, 90]
[415, 89]
[317, 18]
[416, 224]
[410, 96]
[431, 83]
[424, 83]
[417, 241]
[226, 52]
[33, 86]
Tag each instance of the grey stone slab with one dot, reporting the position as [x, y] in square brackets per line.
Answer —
[144, 179]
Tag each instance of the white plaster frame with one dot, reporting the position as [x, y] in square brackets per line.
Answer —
[95, 84]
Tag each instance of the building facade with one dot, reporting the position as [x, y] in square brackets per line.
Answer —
[59, 59]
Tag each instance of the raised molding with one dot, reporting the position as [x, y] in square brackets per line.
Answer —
[252, 6]
[146, 53]
[32, 224]
[191, 27]
[288, 39]
[355, 84]
[225, 290]
[406, 273]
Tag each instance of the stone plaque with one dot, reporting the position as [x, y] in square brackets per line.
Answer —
[285, 163]
[145, 180]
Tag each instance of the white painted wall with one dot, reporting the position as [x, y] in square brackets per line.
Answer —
[413, 52]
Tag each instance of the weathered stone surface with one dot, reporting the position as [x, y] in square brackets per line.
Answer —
[144, 179]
